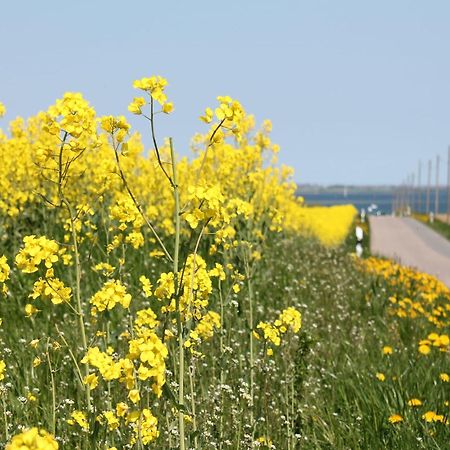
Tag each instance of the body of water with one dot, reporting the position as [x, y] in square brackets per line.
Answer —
[383, 200]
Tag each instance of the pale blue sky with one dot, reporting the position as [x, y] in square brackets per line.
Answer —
[357, 91]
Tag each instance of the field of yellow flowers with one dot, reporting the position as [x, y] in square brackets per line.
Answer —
[132, 315]
[152, 301]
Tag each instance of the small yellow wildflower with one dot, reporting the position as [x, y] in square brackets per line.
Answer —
[37, 361]
[414, 402]
[431, 416]
[395, 418]
[424, 349]
[444, 377]
[31, 397]
[380, 376]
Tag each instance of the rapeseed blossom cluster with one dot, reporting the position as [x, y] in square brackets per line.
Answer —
[127, 354]
[289, 319]
[35, 251]
[112, 293]
[4, 273]
[33, 439]
[203, 331]
[51, 288]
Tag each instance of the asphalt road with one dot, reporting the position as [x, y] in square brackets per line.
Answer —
[411, 243]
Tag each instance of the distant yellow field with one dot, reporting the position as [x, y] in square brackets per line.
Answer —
[330, 224]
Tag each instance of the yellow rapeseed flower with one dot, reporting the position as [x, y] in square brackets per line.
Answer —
[134, 395]
[33, 439]
[2, 369]
[79, 417]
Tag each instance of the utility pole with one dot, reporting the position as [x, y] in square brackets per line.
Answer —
[428, 188]
[448, 186]
[405, 209]
[436, 197]
[405, 194]
[402, 198]
[400, 194]
[393, 201]
[419, 193]
[413, 197]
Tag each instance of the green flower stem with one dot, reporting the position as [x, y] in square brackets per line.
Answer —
[5, 416]
[52, 380]
[194, 415]
[78, 296]
[252, 362]
[176, 195]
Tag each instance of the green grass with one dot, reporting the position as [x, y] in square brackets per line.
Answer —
[437, 225]
[320, 386]
[344, 405]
